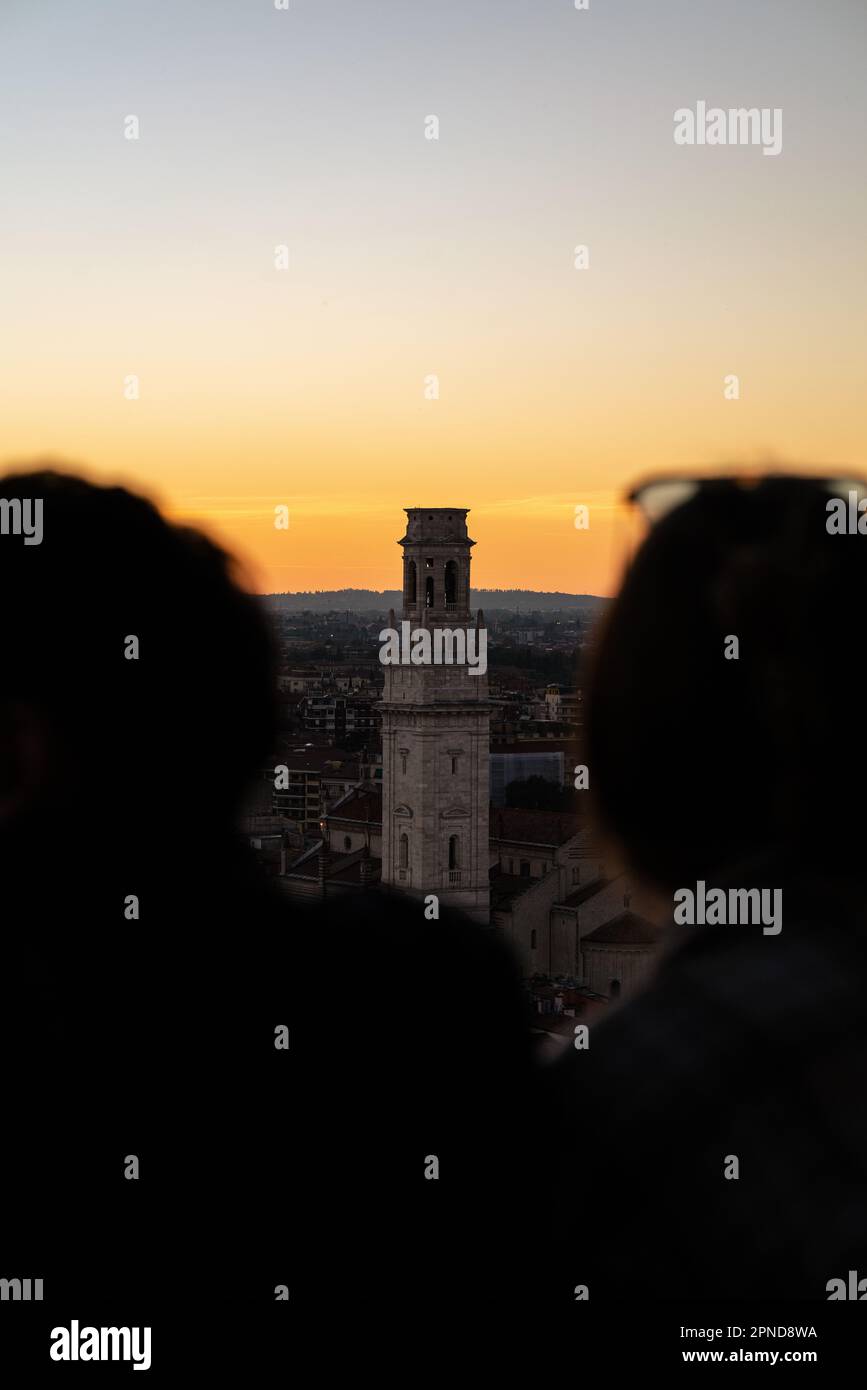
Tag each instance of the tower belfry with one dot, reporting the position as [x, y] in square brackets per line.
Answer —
[436, 565]
[436, 730]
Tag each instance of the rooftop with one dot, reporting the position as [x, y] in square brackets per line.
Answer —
[550, 828]
[581, 895]
[626, 929]
[362, 803]
[303, 759]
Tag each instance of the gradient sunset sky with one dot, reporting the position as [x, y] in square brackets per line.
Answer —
[409, 257]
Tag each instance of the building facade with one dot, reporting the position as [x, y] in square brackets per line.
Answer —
[436, 730]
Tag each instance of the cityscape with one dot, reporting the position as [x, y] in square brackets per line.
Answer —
[422, 781]
[437, 433]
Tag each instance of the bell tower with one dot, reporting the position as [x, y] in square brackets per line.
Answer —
[436, 730]
[436, 566]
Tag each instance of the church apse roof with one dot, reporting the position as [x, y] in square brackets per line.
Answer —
[626, 929]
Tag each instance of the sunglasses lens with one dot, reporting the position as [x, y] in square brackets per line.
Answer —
[841, 487]
[656, 500]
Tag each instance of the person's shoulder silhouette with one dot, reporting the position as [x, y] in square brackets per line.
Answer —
[728, 1150]
[213, 1076]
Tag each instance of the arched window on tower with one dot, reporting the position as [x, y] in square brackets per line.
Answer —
[451, 583]
[403, 862]
[453, 851]
[429, 592]
[410, 582]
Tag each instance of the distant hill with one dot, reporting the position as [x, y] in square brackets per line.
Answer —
[376, 601]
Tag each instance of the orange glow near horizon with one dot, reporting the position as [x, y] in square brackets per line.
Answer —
[521, 543]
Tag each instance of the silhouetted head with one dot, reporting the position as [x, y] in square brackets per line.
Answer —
[699, 760]
[136, 692]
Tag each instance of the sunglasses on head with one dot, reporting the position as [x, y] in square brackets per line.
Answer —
[656, 497]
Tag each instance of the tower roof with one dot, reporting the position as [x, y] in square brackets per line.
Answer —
[436, 526]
